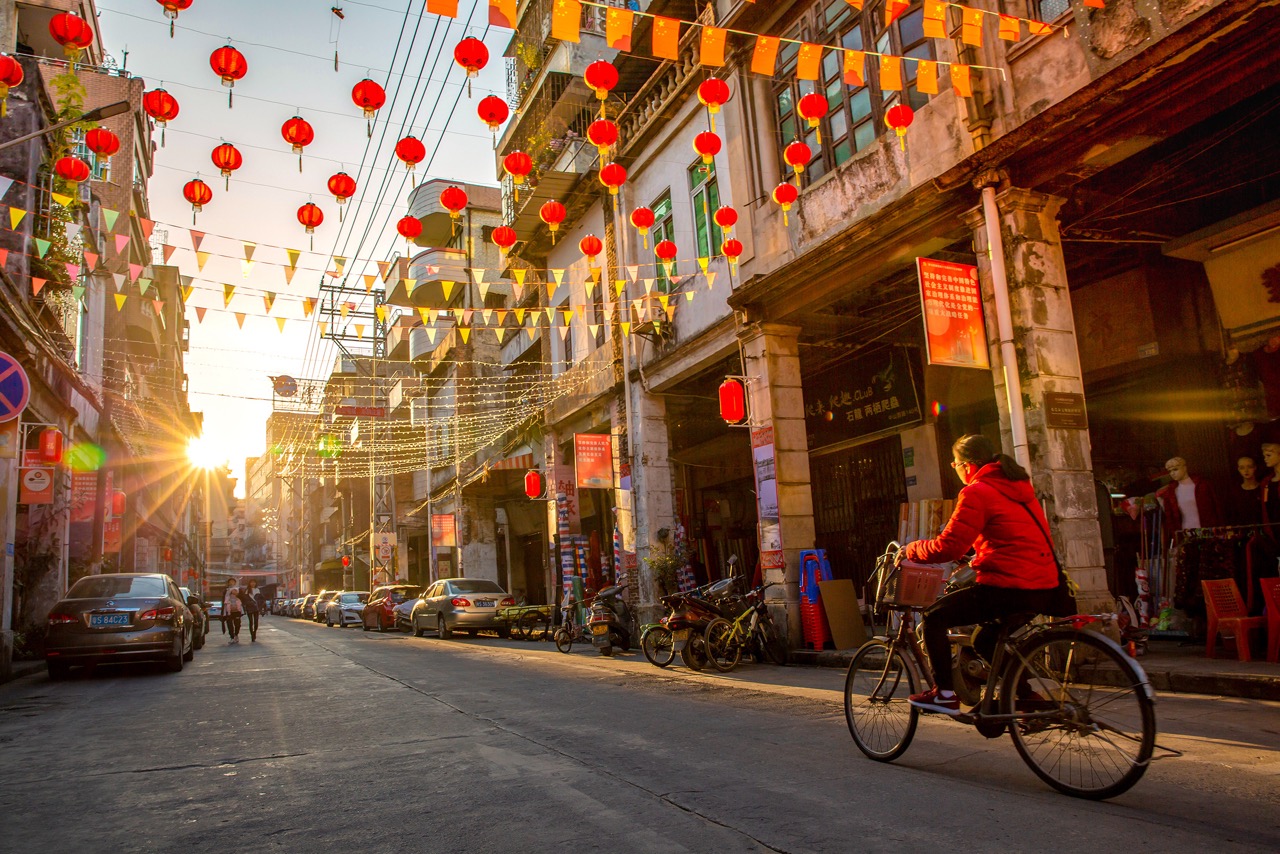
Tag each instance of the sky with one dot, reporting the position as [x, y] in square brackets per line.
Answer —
[290, 47]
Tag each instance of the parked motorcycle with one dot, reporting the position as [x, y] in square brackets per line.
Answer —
[610, 621]
[691, 613]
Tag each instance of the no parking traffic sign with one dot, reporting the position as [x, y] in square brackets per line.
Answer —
[15, 388]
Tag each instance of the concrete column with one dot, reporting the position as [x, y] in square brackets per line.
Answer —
[772, 353]
[651, 483]
[477, 517]
[1048, 361]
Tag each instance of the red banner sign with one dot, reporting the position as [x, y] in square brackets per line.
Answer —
[444, 530]
[955, 333]
[593, 460]
[35, 481]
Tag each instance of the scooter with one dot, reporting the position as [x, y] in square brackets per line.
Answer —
[610, 622]
[691, 613]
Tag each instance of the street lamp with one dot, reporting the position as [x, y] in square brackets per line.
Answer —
[95, 115]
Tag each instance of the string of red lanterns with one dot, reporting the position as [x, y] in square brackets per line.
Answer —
[714, 93]
[102, 142]
[493, 111]
[72, 32]
[518, 165]
[454, 199]
[472, 56]
[409, 227]
[311, 218]
[72, 169]
[642, 218]
[298, 132]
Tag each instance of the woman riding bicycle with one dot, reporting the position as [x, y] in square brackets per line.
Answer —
[998, 516]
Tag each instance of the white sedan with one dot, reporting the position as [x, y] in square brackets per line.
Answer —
[345, 609]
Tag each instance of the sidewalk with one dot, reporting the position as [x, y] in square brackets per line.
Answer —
[1171, 667]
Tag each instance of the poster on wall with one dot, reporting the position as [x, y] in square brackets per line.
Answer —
[35, 481]
[762, 455]
[593, 460]
[955, 333]
[444, 530]
[863, 397]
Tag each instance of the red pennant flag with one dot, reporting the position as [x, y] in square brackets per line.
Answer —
[711, 51]
[566, 21]
[197, 237]
[4, 256]
[764, 59]
[147, 227]
[168, 251]
[91, 259]
[666, 38]
[200, 310]
[617, 28]
[36, 285]
[809, 61]
[502, 13]
[446, 8]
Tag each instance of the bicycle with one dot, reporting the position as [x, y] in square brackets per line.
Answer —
[1080, 712]
[752, 631]
[570, 630]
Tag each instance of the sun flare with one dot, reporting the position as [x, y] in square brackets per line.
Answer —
[204, 454]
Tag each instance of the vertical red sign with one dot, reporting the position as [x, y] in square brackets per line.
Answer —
[955, 333]
[593, 460]
[35, 483]
[444, 530]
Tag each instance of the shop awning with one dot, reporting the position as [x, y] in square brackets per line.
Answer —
[520, 461]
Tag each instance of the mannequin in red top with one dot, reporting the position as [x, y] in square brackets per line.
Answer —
[996, 515]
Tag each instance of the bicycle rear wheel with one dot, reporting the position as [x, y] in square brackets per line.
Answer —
[528, 625]
[1099, 725]
[658, 646]
[564, 639]
[877, 691]
[723, 649]
[770, 642]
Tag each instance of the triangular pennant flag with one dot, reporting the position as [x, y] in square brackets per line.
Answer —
[65, 201]
[626, 327]
[384, 269]
[340, 262]
[197, 237]
[519, 316]
[620, 285]
[431, 335]
[120, 298]
[666, 38]
[500, 332]
[200, 310]
[558, 275]
[520, 273]
[593, 328]
[37, 284]
[648, 286]
[280, 322]
[72, 230]
[764, 58]
[158, 305]
[665, 300]
[135, 270]
[227, 292]
[294, 255]
[240, 316]
[268, 299]
[186, 292]
[688, 296]
[487, 315]
[566, 21]
[308, 306]
[143, 284]
[77, 291]
[369, 279]
[465, 331]
[42, 246]
[444, 8]
[464, 314]
[381, 311]
[359, 327]
[324, 327]
[122, 243]
[345, 309]
[202, 258]
[502, 13]
[591, 285]
[634, 272]
[5, 184]
[147, 226]
[447, 287]
[711, 282]
[483, 287]
[167, 250]
[703, 262]
[246, 267]
[618, 26]
[288, 274]
[432, 314]
[109, 217]
[477, 273]
[91, 259]
[119, 280]
[248, 250]
[15, 217]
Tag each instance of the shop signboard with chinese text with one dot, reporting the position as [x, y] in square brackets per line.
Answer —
[762, 454]
[954, 331]
[861, 398]
[593, 460]
[444, 530]
[35, 483]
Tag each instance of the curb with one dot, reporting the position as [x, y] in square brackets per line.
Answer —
[19, 669]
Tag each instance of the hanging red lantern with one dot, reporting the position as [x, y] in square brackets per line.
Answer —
[493, 112]
[553, 213]
[72, 32]
[785, 194]
[591, 247]
[411, 151]
[473, 56]
[708, 145]
[601, 76]
[51, 445]
[11, 76]
[298, 132]
[899, 117]
[518, 165]
[613, 176]
[197, 192]
[230, 65]
[726, 217]
[454, 200]
[369, 97]
[714, 93]
[72, 169]
[666, 252]
[171, 10]
[162, 107]
[813, 108]
[642, 218]
[102, 142]
[602, 133]
[733, 401]
[119, 503]
[797, 155]
[533, 483]
[311, 217]
[409, 227]
[227, 159]
[504, 237]
[732, 249]
[343, 187]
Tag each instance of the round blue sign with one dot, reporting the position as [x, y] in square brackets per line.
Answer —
[15, 388]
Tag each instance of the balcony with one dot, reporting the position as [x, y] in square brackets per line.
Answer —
[424, 287]
[398, 337]
[429, 346]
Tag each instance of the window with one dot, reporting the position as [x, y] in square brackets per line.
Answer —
[101, 166]
[856, 114]
[568, 336]
[1050, 10]
[705, 192]
[664, 228]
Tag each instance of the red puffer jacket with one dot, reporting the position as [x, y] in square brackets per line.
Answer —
[1011, 550]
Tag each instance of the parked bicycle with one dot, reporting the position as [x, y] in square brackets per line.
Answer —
[571, 630]
[752, 632]
[1081, 712]
[656, 639]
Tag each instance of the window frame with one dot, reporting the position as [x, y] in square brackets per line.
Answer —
[704, 197]
[664, 228]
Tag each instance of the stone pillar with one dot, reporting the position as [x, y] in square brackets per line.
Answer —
[772, 353]
[651, 483]
[1048, 361]
[477, 536]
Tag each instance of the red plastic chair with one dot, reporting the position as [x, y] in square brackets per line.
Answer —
[1271, 595]
[1227, 615]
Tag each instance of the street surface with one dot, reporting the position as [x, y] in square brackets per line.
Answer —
[318, 740]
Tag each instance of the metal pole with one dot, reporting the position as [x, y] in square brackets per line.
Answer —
[1004, 325]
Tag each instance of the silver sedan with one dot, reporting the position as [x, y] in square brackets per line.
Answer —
[467, 604]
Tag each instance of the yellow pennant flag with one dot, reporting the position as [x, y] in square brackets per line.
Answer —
[620, 285]
[465, 331]
[120, 298]
[447, 287]
[240, 316]
[648, 286]
[666, 38]
[626, 327]
[711, 281]
[446, 8]
[61, 199]
[246, 267]
[339, 262]
[227, 292]
[201, 259]
[558, 275]
[422, 312]
[288, 274]
[15, 217]
[703, 262]
[520, 273]
[764, 59]
[711, 50]
[520, 316]
[381, 311]
[432, 332]
[324, 328]
[688, 295]
[566, 20]
[487, 315]
[345, 310]
[617, 28]
[294, 255]
[186, 292]
[308, 306]
[926, 77]
[269, 299]
[280, 322]
[369, 279]
[359, 327]
[809, 61]
[248, 250]
[500, 332]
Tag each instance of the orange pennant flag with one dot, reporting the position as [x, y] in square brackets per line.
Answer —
[36, 285]
[1010, 28]
[891, 73]
[308, 306]
[502, 13]
[935, 19]
[855, 63]
[666, 38]
[227, 292]
[893, 10]
[926, 77]
[200, 310]
[566, 21]
[240, 316]
[288, 274]
[447, 8]
[971, 28]
[809, 61]
[857, 4]
[617, 28]
[711, 51]
[269, 299]
[1095, 4]
[1037, 28]
[384, 268]
[764, 59]
[369, 279]
[962, 80]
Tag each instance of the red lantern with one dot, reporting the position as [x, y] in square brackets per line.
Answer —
[601, 76]
[162, 107]
[410, 227]
[370, 97]
[603, 134]
[72, 32]
[51, 445]
[228, 159]
[472, 55]
[493, 112]
[343, 187]
[732, 249]
[533, 483]
[708, 145]
[102, 142]
[230, 65]
[900, 117]
[299, 134]
[642, 219]
[197, 192]
[613, 176]
[72, 169]
[733, 401]
[813, 108]
[518, 165]
[714, 93]
[311, 217]
[785, 194]
[726, 217]
[171, 10]
[411, 151]
[11, 75]
[346, 561]
[119, 503]
[553, 213]
[504, 237]
[666, 252]
[591, 247]
[797, 155]
[454, 200]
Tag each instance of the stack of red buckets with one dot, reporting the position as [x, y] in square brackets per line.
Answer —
[813, 619]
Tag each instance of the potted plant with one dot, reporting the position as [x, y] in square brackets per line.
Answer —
[665, 560]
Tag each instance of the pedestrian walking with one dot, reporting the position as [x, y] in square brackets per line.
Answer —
[250, 597]
[232, 610]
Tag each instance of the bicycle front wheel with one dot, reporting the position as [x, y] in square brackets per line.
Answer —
[722, 647]
[1090, 724]
[877, 691]
[658, 646]
[564, 639]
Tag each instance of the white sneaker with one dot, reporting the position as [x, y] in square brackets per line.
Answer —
[233, 640]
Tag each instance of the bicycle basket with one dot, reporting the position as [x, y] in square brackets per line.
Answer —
[913, 585]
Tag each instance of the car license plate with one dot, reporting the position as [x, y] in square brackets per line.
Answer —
[484, 603]
[600, 629]
[97, 621]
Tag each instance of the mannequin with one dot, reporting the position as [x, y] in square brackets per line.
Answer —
[1189, 501]
[1266, 362]
[1244, 503]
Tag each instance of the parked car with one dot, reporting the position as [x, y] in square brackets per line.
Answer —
[307, 610]
[345, 608]
[120, 618]
[294, 607]
[379, 613]
[322, 601]
[196, 606]
[404, 614]
[279, 606]
[466, 604]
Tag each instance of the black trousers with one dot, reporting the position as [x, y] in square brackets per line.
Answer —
[253, 624]
[233, 625]
[978, 603]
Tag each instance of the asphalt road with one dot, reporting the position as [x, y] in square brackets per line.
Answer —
[317, 740]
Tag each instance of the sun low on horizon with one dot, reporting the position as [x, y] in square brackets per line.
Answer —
[205, 453]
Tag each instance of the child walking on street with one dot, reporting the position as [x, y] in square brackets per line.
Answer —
[232, 610]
